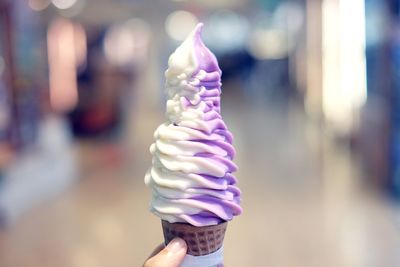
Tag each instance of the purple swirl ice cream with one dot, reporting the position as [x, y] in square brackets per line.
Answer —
[192, 173]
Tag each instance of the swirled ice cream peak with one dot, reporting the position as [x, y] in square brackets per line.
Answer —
[192, 55]
[191, 176]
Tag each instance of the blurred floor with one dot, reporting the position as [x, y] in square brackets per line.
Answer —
[303, 199]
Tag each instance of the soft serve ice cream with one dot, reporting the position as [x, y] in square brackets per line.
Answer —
[191, 176]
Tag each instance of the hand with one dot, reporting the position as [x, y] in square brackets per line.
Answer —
[170, 256]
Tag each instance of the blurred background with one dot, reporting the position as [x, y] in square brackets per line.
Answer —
[311, 92]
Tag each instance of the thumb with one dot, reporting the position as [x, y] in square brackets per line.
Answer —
[171, 256]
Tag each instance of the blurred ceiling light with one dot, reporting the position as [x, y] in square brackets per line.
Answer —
[268, 44]
[343, 63]
[119, 45]
[127, 43]
[142, 32]
[179, 24]
[66, 42]
[64, 4]
[38, 5]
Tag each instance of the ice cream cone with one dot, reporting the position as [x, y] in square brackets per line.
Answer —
[200, 240]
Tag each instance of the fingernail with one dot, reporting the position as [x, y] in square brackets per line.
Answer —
[176, 245]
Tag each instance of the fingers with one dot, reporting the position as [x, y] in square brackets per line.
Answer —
[171, 256]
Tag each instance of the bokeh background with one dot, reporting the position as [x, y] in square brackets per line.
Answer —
[311, 92]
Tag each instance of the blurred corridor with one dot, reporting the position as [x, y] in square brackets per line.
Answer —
[305, 203]
[310, 98]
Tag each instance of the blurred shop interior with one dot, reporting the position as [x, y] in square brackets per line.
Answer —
[311, 92]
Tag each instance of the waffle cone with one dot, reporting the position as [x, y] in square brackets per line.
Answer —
[200, 240]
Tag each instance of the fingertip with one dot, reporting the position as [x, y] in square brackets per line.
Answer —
[176, 245]
[172, 255]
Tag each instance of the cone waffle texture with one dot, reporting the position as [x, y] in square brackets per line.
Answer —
[200, 240]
